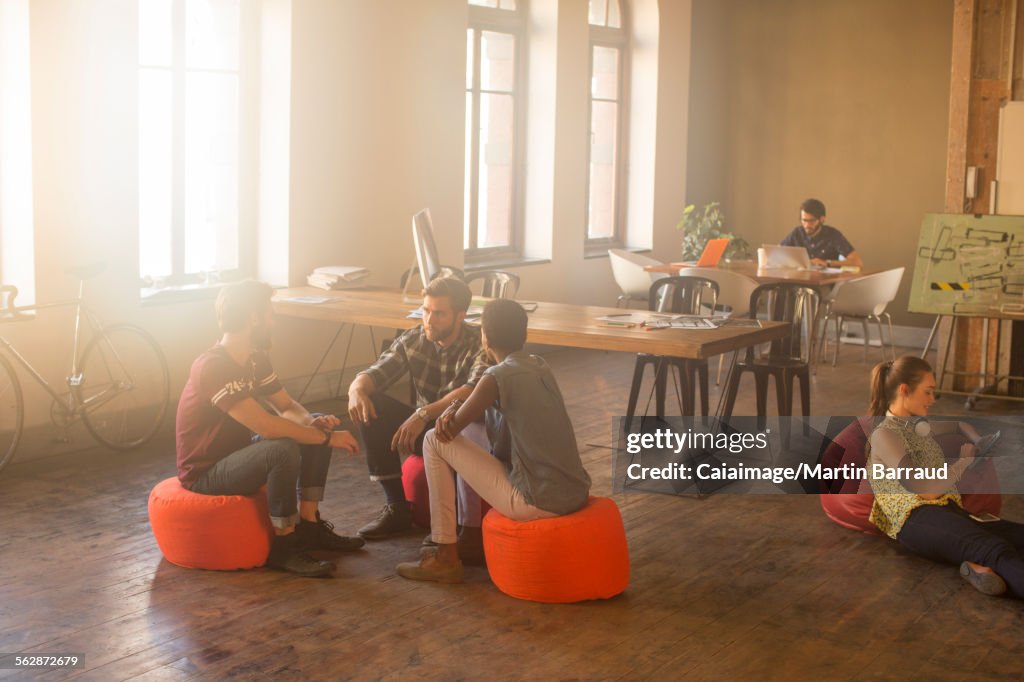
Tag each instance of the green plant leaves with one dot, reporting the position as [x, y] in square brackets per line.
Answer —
[700, 226]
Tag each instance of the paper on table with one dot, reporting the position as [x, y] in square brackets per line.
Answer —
[307, 299]
[474, 311]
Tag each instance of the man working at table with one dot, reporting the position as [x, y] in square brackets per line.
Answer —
[824, 243]
[445, 359]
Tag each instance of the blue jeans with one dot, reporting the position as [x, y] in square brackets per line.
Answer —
[283, 465]
[948, 533]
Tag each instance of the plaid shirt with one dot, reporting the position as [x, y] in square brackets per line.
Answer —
[435, 371]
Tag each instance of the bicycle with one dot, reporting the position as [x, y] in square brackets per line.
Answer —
[118, 387]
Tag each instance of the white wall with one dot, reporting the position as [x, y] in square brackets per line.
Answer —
[377, 132]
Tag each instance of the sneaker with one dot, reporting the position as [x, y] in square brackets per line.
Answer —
[985, 582]
[393, 519]
[286, 555]
[429, 569]
[321, 535]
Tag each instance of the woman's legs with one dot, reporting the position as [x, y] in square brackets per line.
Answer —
[485, 474]
[947, 533]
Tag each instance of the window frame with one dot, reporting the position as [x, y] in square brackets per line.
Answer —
[619, 39]
[178, 70]
[514, 23]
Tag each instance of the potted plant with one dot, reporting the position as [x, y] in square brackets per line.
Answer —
[699, 226]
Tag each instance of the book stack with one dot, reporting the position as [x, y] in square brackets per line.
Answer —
[334, 277]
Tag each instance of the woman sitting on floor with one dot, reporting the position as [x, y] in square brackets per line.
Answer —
[547, 477]
[925, 515]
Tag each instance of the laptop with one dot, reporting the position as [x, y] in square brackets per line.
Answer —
[712, 254]
[775, 257]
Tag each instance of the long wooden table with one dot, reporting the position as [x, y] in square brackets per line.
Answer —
[814, 278]
[558, 324]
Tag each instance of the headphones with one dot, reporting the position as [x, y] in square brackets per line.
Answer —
[920, 425]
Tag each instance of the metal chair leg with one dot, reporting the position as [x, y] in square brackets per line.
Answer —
[881, 337]
[867, 337]
[823, 342]
[839, 336]
[892, 336]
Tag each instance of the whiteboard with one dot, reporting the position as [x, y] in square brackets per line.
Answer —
[969, 265]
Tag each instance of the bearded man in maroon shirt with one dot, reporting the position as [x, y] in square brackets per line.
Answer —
[229, 443]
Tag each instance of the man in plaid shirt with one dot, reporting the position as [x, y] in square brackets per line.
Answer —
[445, 359]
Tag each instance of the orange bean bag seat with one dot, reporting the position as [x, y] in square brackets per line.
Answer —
[848, 502]
[217, 532]
[563, 559]
[417, 492]
[414, 482]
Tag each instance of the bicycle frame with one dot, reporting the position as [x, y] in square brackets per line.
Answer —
[72, 403]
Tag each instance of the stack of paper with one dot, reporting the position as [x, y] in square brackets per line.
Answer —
[337, 277]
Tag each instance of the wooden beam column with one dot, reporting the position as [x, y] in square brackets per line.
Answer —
[981, 81]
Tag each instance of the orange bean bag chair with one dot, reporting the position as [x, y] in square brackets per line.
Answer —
[217, 532]
[563, 559]
[414, 482]
[848, 502]
[417, 492]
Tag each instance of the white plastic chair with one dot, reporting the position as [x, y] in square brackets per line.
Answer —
[866, 299]
[734, 291]
[633, 280]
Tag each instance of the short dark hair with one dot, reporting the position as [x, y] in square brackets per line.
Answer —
[813, 206]
[236, 303]
[454, 289]
[504, 323]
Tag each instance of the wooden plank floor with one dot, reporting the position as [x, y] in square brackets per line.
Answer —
[731, 586]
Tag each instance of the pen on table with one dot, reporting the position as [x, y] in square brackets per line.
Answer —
[610, 323]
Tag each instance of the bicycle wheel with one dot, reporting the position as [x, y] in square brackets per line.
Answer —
[123, 391]
[12, 411]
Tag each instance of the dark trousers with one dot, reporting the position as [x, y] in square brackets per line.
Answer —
[383, 462]
[283, 465]
[948, 533]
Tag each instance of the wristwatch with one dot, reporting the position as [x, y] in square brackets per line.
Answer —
[327, 437]
[422, 413]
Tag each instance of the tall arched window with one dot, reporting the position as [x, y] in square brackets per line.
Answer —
[190, 108]
[16, 214]
[609, 56]
[495, 94]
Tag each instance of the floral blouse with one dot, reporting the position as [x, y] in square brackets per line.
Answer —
[893, 502]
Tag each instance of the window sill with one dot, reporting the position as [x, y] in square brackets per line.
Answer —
[179, 294]
[503, 261]
[602, 251]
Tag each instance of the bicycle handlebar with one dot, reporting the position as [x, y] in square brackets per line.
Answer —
[9, 312]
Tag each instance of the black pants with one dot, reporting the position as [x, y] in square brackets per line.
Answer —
[283, 465]
[383, 462]
[948, 533]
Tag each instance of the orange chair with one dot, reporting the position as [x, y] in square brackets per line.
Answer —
[216, 532]
[417, 492]
[414, 482]
[571, 558]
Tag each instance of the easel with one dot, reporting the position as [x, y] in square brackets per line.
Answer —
[984, 389]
